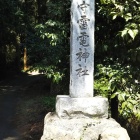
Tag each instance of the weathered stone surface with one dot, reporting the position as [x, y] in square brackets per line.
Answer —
[67, 107]
[82, 129]
[82, 48]
[114, 134]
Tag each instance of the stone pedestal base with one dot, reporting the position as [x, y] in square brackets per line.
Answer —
[67, 107]
[56, 128]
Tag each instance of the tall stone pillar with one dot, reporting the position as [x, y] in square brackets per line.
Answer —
[80, 102]
[82, 48]
[79, 115]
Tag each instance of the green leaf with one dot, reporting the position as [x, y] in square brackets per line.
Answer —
[103, 1]
[128, 16]
[114, 95]
[124, 104]
[131, 33]
[133, 102]
[130, 106]
[124, 32]
[123, 81]
[105, 47]
[114, 17]
[135, 31]
[121, 97]
[113, 1]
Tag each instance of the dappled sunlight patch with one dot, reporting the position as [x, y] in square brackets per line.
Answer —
[35, 72]
[11, 138]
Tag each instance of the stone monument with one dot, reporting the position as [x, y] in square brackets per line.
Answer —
[80, 116]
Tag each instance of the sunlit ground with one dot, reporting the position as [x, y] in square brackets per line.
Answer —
[9, 87]
[35, 72]
[11, 138]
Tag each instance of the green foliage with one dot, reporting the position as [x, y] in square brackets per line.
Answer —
[49, 102]
[127, 10]
[121, 81]
[48, 44]
[117, 54]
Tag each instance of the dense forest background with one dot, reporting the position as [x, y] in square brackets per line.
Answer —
[35, 35]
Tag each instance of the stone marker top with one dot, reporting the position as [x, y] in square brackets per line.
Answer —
[82, 48]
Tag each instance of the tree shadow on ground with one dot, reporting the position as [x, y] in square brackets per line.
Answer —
[19, 94]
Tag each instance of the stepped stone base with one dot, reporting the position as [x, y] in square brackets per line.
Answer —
[56, 128]
[67, 107]
[82, 119]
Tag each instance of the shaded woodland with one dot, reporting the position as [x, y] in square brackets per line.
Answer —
[35, 35]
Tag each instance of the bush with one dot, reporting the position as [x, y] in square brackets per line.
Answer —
[121, 81]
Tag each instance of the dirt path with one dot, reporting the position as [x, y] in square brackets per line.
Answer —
[10, 93]
[7, 112]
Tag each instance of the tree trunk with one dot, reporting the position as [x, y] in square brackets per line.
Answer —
[25, 59]
[17, 59]
[3, 70]
[38, 11]
[114, 108]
